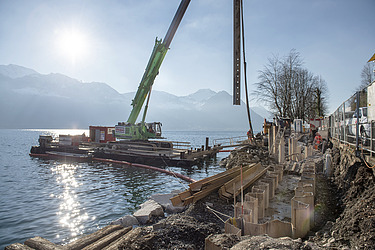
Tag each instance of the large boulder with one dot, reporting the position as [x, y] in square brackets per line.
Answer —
[126, 221]
[165, 202]
[148, 211]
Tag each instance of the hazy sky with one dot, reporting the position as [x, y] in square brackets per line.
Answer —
[111, 40]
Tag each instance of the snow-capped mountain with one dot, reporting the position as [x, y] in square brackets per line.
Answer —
[15, 71]
[32, 100]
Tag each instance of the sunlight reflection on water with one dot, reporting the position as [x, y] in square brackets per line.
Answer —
[61, 201]
[70, 215]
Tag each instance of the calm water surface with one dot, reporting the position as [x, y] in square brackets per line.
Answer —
[60, 201]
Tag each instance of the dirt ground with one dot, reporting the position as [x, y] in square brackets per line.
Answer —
[344, 212]
[354, 183]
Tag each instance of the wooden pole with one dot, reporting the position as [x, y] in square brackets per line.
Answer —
[234, 199]
[241, 192]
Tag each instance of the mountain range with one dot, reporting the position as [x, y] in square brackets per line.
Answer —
[29, 99]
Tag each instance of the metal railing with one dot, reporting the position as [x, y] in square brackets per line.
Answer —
[353, 121]
[231, 141]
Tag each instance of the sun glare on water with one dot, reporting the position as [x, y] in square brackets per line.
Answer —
[73, 44]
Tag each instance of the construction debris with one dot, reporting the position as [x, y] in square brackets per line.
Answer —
[247, 154]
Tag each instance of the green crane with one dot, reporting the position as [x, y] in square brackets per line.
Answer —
[144, 131]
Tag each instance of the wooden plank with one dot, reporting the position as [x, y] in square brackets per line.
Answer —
[89, 239]
[129, 238]
[41, 244]
[197, 186]
[189, 200]
[224, 179]
[185, 194]
[108, 239]
[179, 199]
[207, 186]
[228, 186]
[176, 201]
[117, 244]
[17, 246]
[214, 186]
[252, 179]
[249, 177]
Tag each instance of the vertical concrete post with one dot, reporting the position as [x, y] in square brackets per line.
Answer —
[300, 218]
[308, 198]
[275, 177]
[252, 203]
[309, 179]
[298, 191]
[295, 150]
[294, 145]
[281, 151]
[290, 148]
[274, 135]
[233, 229]
[259, 194]
[270, 140]
[299, 153]
[247, 212]
[327, 165]
[306, 152]
[279, 170]
[271, 184]
[266, 187]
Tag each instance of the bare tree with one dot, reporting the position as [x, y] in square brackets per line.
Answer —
[289, 69]
[290, 90]
[321, 96]
[302, 92]
[269, 89]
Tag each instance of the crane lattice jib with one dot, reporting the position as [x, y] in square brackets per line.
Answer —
[148, 79]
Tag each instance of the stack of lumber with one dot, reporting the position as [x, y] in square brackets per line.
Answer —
[233, 187]
[200, 189]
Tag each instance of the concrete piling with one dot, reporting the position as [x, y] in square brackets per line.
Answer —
[281, 158]
[252, 203]
[300, 218]
[258, 200]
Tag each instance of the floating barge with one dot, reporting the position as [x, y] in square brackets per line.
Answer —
[100, 144]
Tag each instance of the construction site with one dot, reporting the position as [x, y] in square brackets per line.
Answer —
[286, 195]
[288, 187]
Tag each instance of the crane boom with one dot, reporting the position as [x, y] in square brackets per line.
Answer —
[143, 131]
[148, 79]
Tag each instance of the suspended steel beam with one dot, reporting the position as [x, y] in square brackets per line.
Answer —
[175, 22]
[236, 52]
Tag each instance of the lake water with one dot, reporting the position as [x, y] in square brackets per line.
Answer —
[60, 201]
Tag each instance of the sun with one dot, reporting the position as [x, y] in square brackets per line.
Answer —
[73, 44]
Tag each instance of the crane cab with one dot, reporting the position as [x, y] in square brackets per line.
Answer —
[139, 131]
